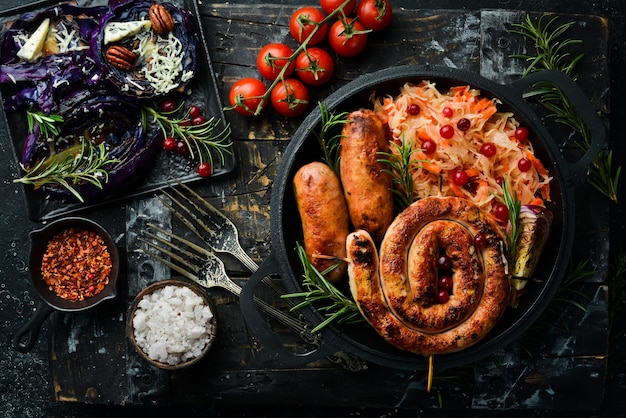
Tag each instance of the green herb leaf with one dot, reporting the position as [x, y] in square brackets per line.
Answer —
[329, 136]
[203, 140]
[329, 300]
[46, 123]
[551, 53]
[401, 167]
[85, 163]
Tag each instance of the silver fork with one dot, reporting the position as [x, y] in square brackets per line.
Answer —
[203, 267]
[221, 233]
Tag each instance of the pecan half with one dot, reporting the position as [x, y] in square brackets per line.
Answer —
[120, 57]
[162, 21]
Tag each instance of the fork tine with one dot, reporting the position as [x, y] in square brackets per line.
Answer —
[221, 228]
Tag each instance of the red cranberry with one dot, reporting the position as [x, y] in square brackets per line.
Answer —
[429, 147]
[444, 263]
[480, 240]
[488, 149]
[524, 164]
[463, 124]
[443, 296]
[521, 134]
[413, 110]
[445, 282]
[460, 177]
[446, 131]
[447, 112]
[501, 212]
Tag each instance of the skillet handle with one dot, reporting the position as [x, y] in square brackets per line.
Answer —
[26, 337]
[580, 102]
[262, 330]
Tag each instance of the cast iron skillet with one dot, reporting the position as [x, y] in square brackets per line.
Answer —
[362, 340]
[26, 337]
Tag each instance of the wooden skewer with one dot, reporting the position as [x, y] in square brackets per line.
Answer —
[431, 372]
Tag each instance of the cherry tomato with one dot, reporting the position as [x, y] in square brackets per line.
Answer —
[290, 97]
[315, 66]
[330, 6]
[272, 58]
[246, 94]
[306, 20]
[169, 143]
[374, 14]
[204, 169]
[347, 37]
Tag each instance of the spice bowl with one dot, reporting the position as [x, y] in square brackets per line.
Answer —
[172, 324]
[41, 240]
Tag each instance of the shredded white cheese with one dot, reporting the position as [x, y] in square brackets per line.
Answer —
[163, 62]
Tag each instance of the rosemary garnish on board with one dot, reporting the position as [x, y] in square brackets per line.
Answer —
[201, 139]
[552, 53]
[328, 300]
[84, 163]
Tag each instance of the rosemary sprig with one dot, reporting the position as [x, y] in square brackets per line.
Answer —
[79, 164]
[329, 300]
[551, 53]
[203, 140]
[46, 123]
[514, 205]
[329, 136]
[400, 168]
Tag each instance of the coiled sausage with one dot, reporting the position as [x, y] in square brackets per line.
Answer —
[396, 293]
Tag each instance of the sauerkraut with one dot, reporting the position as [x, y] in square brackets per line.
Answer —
[459, 148]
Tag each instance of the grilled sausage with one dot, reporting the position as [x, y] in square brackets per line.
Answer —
[324, 217]
[397, 291]
[366, 187]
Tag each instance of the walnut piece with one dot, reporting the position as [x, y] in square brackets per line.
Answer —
[161, 19]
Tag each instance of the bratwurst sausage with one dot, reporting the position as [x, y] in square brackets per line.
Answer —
[324, 216]
[366, 186]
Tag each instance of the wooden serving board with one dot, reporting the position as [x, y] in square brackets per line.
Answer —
[559, 364]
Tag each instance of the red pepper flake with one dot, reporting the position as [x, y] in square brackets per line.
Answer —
[77, 264]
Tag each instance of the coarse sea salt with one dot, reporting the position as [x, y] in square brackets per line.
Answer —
[172, 324]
